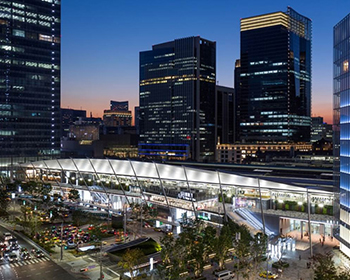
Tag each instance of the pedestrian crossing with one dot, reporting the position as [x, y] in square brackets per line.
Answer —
[26, 262]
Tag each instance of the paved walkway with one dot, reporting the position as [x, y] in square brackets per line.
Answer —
[298, 268]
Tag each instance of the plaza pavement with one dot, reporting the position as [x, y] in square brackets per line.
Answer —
[297, 268]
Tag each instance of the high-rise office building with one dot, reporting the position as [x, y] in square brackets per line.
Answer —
[177, 100]
[30, 33]
[341, 128]
[137, 119]
[275, 78]
[225, 115]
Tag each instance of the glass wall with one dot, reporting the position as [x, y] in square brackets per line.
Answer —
[341, 93]
[30, 34]
[275, 78]
[177, 99]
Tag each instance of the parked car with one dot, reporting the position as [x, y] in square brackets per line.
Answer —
[224, 275]
[71, 245]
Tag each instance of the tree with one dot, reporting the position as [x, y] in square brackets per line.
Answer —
[78, 217]
[4, 202]
[34, 224]
[209, 234]
[26, 212]
[252, 258]
[53, 214]
[130, 259]
[198, 241]
[177, 265]
[168, 246]
[174, 257]
[73, 195]
[222, 244]
[344, 274]
[325, 268]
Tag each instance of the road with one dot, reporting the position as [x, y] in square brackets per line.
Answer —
[36, 268]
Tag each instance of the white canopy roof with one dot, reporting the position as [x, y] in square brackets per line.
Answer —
[148, 170]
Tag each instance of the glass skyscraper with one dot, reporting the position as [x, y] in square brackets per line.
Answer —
[30, 34]
[341, 127]
[275, 78]
[177, 100]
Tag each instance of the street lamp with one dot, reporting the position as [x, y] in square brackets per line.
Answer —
[264, 228]
[101, 272]
[238, 237]
[62, 240]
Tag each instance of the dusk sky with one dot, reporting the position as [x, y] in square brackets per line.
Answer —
[101, 41]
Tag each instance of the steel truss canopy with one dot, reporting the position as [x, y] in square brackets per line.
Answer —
[148, 170]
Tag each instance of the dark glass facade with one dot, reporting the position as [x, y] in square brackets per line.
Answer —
[341, 128]
[275, 78]
[30, 34]
[177, 100]
[225, 115]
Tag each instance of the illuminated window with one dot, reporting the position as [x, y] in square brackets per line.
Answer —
[45, 38]
[346, 66]
[19, 33]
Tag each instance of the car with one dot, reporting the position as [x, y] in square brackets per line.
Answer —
[167, 231]
[7, 252]
[12, 257]
[7, 236]
[224, 275]
[157, 229]
[3, 247]
[270, 275]
[14, 247]
[39, 253]
[71, 245]
[146, 225]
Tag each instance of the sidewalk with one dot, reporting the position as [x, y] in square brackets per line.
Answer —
[297, 268]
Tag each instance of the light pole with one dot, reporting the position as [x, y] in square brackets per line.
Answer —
[101, 273]
[238, 238]
[264, 228]
[62, 240]
[141, 217]
[125, 209]
[309, 220]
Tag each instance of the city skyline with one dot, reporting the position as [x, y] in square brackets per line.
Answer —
[107, 65]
